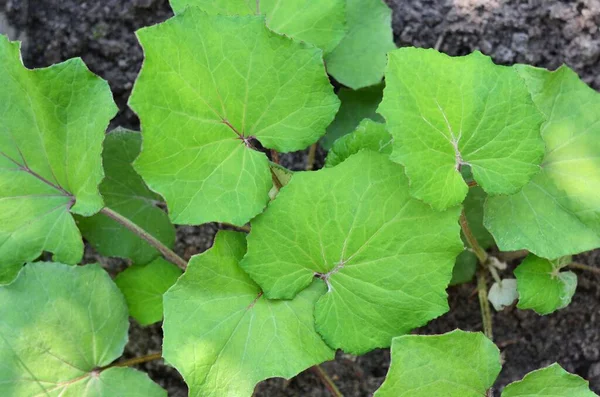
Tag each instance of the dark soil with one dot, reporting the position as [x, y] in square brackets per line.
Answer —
[539, 32]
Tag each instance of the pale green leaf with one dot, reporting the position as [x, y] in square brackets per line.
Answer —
[125, 192]
[456, 364]
[356, 106]
[360, 58]
[224, 336]
[385, 257]
[558, 212]
[208, 87]
[503, 294]
[144, 287]
[464, 268]
[52, 124]
[369, 135]
[318, 22]
[542, 286]
[58, 325]
[550, 381]
[446, 112]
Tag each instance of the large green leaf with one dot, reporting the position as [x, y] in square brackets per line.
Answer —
[125, 192]
[59, 325]
[542, 286]
[456, 364]
[550, 381]
[360, 58]
[446, 112]
[558, 212]
[318, 22]
[144, 287]
[369, 135]
[356, 106]
[386, 258]
[224, 336]
[208, 87]
[52, 124]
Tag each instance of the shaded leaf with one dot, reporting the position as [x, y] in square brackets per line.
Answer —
[209, 86]
[385, 257]
[369, 135]
[224, 336]
[464, 268]
[474, 207]
[550, 381]
[59, 325]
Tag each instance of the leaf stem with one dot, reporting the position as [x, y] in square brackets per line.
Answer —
[135, 361]
[150, 239]
[484, 304]
[327, 381]
[477, 249]
[310, 161]
[587, 268]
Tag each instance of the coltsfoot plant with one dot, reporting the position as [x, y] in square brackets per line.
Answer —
[454, 152]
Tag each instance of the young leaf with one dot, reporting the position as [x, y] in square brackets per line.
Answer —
[60, 325]
[52, 124]
[503, 294]
[558, 212]
[125, 192]
[144, 287]
[209, 86]
[385, 257]
[446, 112]
[542, 286]
[456, 364]
[360, 58]
[318, 22]
[224, 336]
[356, 106]
[464, 268]
[369, 135]
[550, 381]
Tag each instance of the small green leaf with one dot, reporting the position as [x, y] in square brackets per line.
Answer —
[318, 22]
[125, 192]
[464, 268]
[503, 294]
[52, 124]
[385, 257]
[224, 336]
[144, 287]
[542, 286]
[558, 212]
[369, 135]
[446, 112]
[209, 86]
[360, 58]
[550, 381]
[356, 106]
[456, 364]
[59, 325]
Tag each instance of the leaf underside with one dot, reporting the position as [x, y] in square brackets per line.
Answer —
[558, 212]
[224, 336]
[59, 323]
[209, 86]
[386, 258]
[368, 135]
[550, 381]
[52, 124]
[445, 113]
[456, 364]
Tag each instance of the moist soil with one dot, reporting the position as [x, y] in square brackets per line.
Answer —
[539, 32]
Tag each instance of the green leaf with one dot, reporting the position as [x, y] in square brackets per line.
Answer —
[144, 287]
[550, 381]
[446, 112]
[356, 106]
[224, 336]
[60, 324]
[208, 87]
[558, 212]
[360, 58]
[369, 135]
[385, 257]
[542, 286]
[318, 22]
[455, 364]
[464, 268]
[52, 124]
[125, 192]
[473, 206]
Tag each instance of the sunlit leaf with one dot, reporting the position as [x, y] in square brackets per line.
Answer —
[550, 381]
